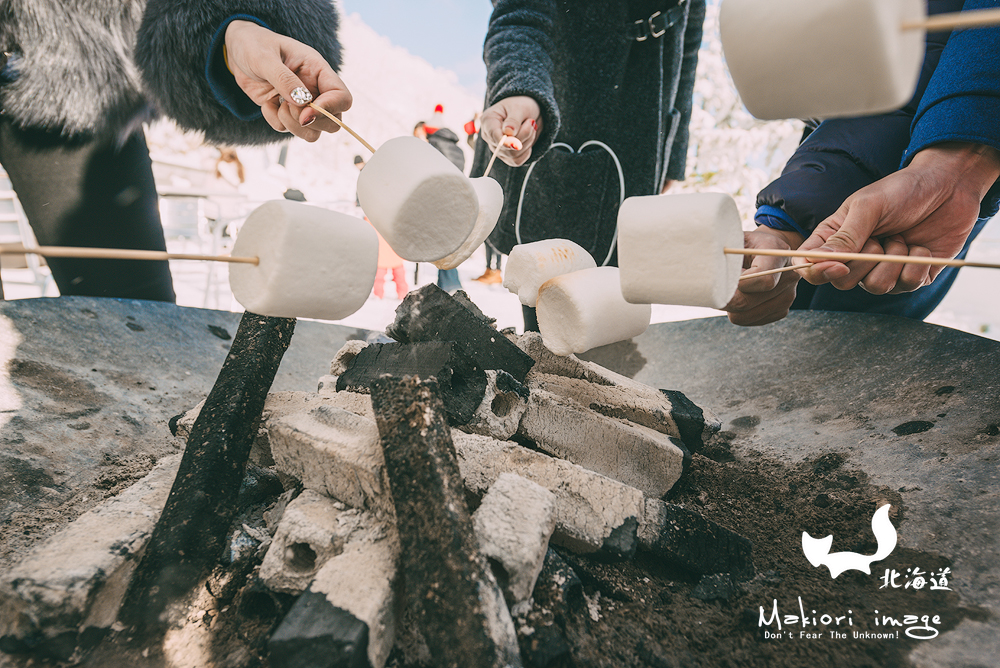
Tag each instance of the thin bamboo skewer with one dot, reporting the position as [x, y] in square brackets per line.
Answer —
[118, 254]
[865, 257]
[508, 141]
[342, 124]
[979, 18]
[780, 270]
[496, 151]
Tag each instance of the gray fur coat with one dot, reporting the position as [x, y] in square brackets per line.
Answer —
[100, 67]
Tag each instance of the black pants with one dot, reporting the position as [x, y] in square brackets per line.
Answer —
[85, 192]
[530, 318]
[492, 253]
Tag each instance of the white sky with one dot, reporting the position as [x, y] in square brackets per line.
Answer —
[445, 33]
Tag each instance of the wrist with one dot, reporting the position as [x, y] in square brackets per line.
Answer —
[790, 237]
[224, 65]
[975, 165]
[234, 29]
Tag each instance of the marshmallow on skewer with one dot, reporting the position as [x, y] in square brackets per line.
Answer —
[421, 204]
[490, 196]
[584, 309]
[822, 58]
[313, 263]
[530, 265]
[671, 249]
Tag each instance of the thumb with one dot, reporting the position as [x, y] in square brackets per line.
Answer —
[854, 232]
[844, 240]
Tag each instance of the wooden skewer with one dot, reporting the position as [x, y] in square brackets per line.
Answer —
[979, 18]
[507, 142]
[341, 124]
[118, 254]
[866, 257]
[493, 159]
[791, 267]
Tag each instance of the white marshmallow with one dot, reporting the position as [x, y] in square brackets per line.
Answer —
[822, 58]
[671, 249]
[421, 204]
[314, 263]
[490, 196]
[584, 309]
[530, 265]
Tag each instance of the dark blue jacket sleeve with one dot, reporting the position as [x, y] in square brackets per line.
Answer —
[844, 155]
[220, 79]
[962, 101]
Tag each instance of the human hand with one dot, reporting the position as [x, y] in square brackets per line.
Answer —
[518, 116]
[926, 209]
[274, 70]
[764, 299]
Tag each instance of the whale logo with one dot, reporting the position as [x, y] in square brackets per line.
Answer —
[817, 550]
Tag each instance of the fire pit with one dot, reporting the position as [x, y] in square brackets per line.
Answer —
[806, 444]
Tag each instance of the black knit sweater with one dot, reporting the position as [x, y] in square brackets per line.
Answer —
[594, 84]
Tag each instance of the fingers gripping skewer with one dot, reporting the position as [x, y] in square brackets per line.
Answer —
[342, 124]
[507, 142]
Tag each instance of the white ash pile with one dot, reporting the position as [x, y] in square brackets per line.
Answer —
[372, 551]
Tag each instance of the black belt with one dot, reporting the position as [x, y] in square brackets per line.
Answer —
[656, 24]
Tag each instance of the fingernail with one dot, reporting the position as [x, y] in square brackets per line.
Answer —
[534, 126]
[309, 122]
[301, 96]
[281, 100]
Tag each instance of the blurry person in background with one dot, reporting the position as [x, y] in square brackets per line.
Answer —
[492, 274]
[389, 263]
[229, 168]
[472, 131]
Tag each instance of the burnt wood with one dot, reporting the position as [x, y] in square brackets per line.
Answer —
[558, 601]
[690, 419]
[459, 607]
[702, 546]
[317, 634]
[431, 314]
[461, 382]
[190, 536]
